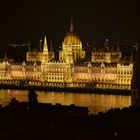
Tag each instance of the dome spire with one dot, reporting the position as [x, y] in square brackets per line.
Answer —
[71, 26]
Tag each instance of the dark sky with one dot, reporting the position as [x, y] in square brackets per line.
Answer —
[26, 20]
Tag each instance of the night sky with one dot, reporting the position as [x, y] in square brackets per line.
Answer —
[94, 20]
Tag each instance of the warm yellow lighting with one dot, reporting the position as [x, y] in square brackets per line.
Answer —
[44, 70]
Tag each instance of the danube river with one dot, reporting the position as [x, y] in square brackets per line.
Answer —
[95, 102]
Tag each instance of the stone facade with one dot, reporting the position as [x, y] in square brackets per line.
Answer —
[105, 69]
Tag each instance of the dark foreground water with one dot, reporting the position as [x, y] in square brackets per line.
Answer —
[94, 102]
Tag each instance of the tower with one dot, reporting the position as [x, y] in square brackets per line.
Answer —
[45, 47]
[45, 51]
[71, 47]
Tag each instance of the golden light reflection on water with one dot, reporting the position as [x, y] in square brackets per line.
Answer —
[94, 102]
[7, 95]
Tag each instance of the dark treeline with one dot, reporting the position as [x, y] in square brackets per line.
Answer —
[45, 121]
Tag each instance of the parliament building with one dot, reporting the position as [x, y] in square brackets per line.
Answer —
[105, 69]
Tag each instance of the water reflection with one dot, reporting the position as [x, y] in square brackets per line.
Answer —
[95, 102]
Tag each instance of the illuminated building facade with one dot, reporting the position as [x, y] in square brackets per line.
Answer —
[72, 51]
[41, 55]
[104, 70]
[107, 54]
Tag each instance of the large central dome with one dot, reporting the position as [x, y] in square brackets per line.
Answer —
[71, 37]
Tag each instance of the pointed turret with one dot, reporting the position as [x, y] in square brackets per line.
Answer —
[45, 41]
[45, 47]
[45, 51]
[71, 26]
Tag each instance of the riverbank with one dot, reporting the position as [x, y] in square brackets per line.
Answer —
[36, 121]
[68, 89]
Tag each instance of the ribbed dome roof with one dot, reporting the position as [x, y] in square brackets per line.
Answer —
[71, 38]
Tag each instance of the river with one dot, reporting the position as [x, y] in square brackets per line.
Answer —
[95, 102]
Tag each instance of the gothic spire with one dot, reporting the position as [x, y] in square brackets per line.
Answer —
[45, 47]
[45, 41]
